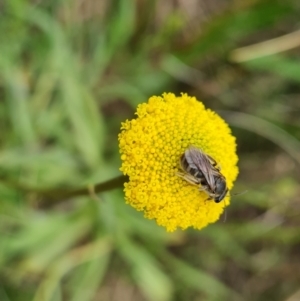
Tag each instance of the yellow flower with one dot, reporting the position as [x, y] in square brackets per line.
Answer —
[151, 146]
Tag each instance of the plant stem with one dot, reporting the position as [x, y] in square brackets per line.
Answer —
[50, 197]
[53, 197]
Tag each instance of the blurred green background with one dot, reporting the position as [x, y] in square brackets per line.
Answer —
[70, 73]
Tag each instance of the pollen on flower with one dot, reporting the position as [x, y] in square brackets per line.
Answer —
[151, 146]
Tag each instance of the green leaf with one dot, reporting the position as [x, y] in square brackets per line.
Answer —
[145, 270]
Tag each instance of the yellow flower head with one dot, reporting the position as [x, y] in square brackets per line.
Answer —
[151, 146]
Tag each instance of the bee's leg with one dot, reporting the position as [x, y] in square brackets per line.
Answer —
[203, 186]
[187, 177]
[217, 166]
[214, 164]
[209, 199]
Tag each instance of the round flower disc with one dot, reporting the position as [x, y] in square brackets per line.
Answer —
[151, 146]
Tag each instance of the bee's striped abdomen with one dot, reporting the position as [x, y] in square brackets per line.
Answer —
[192, 169]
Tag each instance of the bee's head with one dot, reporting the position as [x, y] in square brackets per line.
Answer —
[221, 189]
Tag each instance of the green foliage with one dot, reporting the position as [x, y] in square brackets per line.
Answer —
[70, 73]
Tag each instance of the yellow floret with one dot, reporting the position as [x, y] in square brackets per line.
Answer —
[151, 146]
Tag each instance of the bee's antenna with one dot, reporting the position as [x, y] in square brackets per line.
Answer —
[240, 193]
[225, 205]
[225, 211]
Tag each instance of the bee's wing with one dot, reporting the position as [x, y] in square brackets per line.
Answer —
[203, 163]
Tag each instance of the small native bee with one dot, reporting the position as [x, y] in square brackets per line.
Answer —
[202, 170]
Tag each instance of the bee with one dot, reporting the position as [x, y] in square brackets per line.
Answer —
[202, 170]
